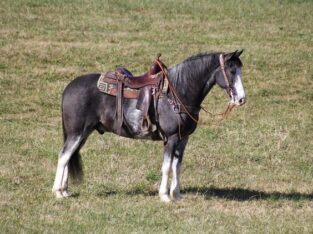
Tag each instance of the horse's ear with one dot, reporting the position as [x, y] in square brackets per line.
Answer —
[228, 56]
[231, 55]
[238, 53]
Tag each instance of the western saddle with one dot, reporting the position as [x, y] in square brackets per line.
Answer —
[122, 84]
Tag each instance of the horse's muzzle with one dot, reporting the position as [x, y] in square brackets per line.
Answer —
[238, 102]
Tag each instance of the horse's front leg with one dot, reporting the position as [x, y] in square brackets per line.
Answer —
[166, 167]
[176, 166]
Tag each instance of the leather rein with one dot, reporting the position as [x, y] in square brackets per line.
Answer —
[178, 105]
[177, 102]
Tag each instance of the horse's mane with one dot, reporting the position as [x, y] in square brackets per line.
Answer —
[192, 67]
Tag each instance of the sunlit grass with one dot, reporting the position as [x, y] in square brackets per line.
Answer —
[251, 173]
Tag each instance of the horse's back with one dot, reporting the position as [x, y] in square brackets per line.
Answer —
[82, 84]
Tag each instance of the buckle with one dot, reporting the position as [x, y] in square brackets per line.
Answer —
[175, 106]
[105, 87]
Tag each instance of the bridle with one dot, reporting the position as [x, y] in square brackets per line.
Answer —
[228, 88]
[181, 107]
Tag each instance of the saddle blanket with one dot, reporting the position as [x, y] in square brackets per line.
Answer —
[111, 89]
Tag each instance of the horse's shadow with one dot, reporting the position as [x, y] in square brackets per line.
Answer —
[234, 194]
[239, 194]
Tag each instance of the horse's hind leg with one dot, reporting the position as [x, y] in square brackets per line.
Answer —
[60, 183]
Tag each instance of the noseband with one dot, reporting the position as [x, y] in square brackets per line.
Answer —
[228, 88]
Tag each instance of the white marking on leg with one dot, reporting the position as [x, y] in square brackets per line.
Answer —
[62, 164]
[65, 182]
[163, 191]
[175, 186]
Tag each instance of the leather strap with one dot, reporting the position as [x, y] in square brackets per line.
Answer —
[119, 100]
[222, 64]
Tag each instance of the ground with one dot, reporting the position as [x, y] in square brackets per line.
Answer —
[251, 173]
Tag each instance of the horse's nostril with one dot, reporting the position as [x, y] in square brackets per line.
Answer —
[242, 101]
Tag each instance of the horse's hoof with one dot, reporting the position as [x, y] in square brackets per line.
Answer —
[177, 197]
[66, 194]
[58, 194]
[165, 198]
[61, 194]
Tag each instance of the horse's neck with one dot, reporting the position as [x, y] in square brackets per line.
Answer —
[192, 88]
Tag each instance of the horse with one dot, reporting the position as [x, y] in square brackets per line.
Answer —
[85, 109]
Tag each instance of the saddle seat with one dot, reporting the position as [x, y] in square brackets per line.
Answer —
[136, 82]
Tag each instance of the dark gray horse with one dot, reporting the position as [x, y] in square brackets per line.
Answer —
[85, 109]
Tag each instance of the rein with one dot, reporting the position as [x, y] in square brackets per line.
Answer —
[173, 92]
[179, 103]
[224, 114]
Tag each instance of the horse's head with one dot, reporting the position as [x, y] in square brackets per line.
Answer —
[229, 77]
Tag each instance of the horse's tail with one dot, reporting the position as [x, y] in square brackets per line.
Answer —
[75, 167]
[63, 128]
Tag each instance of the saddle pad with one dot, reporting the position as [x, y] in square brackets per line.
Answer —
[111, 89]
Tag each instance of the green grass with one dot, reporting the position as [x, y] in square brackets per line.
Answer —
[252, 173]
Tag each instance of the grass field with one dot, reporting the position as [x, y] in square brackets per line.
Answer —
[252, 173]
